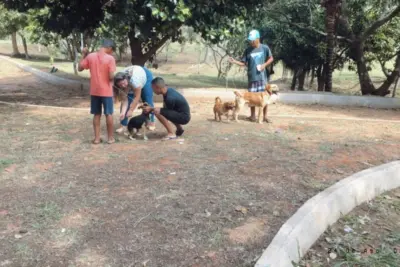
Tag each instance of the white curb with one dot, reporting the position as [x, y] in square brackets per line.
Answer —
[53, 79]
[300, 98]
[301, 231]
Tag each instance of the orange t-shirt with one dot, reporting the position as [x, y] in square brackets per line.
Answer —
[100, 65]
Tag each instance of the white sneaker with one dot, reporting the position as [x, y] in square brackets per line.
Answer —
[121, 130]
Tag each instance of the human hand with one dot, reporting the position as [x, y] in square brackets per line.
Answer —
[231, 60]
[261, 67]
[85, 51]
[129, 114]
[122, 116]
[147, 109]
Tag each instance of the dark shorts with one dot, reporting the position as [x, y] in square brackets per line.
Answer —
[175, 117]
[97, 102]
[257, 86]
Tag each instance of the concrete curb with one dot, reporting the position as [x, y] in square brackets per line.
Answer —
[274, 116]
[43, 75]
[299, 98]
[304, 98]
[301, 231]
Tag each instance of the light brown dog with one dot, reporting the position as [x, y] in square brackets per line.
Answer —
[261, 100]
[221, 108]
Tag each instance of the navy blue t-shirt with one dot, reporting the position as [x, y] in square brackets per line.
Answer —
[173, 100]
[253, 57]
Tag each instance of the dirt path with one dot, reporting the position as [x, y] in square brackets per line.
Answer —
[216, 199]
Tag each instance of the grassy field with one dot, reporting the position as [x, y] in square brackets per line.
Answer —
[182, 70]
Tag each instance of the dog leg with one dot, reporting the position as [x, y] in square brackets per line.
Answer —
[144, 134]
[215, 115]
[236, 113]
[259, 115]
[130, 135]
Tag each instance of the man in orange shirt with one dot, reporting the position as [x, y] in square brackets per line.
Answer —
[102, 67]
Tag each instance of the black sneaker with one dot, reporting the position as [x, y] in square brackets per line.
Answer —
[179, 132]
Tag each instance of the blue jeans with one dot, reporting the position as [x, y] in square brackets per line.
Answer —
[146, 96]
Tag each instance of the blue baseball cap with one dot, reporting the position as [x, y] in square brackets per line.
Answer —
[253, 35]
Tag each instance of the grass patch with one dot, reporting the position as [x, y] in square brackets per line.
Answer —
[46, 214]
[4, 163]
[326, 148]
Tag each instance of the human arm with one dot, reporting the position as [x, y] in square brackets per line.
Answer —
[241, 62]
[137, 92]
[112, 67]
[123, 109]
[269, 59]
[149, 109]
[237, 62]
[84, 63]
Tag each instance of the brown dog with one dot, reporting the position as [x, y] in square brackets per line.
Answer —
[221, 108]
[260, 100]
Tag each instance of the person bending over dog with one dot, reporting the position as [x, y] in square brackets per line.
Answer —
[133, 84]
[176, 109]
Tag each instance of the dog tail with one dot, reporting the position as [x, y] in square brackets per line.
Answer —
[218, 100]
[237, 93]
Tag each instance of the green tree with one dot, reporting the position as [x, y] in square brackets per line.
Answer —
[12, 24]
[148, 24]
[363, 25]
[332, 12]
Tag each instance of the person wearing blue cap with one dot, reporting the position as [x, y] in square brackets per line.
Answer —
[257, 57]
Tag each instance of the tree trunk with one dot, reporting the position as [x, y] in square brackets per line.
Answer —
[205, 55]
[302, 78]
[320, 78]
[367, 87]
[24, 43]
[70, 51]
[384, 89]
[167, 51]
[311, 84]
[137, 55]
[15, 52]
[395, 87]
[76, 63]
[294, 80]
[330, 42]
[284, 73]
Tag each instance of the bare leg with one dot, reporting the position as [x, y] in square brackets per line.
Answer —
[96, 128]
[110, 128]
[166, 124]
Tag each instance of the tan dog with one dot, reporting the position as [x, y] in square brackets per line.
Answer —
[221, 108]
[260, 100]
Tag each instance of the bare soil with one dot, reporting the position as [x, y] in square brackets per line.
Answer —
[215, 199]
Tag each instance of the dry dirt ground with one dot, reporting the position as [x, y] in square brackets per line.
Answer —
[367, 236]
[215, 199]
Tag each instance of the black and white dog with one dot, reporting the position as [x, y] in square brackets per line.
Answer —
[136, 123]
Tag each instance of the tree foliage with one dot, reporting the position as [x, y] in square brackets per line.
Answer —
[147, 23]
